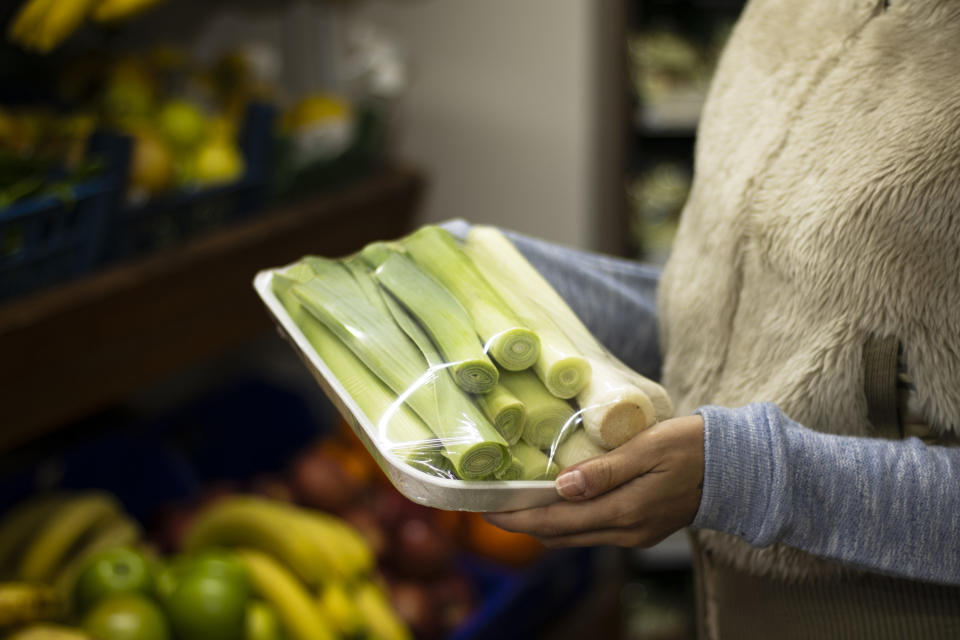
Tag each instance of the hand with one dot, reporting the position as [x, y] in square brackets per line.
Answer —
[633, 496]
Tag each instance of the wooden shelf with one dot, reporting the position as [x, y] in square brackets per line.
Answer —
[83, 346]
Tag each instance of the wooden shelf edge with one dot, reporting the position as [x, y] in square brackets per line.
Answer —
[76, 348]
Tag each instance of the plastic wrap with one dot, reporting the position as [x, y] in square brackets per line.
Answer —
[468, 378]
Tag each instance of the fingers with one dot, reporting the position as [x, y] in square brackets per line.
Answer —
[621, 508]
[599, 475]
[641, 454]
[606, 537]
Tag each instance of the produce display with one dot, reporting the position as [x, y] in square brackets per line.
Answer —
[464, 361]
[75, 565]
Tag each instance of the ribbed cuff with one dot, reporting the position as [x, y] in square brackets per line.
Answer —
[743, 492]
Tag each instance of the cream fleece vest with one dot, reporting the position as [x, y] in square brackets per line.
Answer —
[825, 210]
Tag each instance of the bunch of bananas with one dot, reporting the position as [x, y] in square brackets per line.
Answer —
[316, 571]
[41, 25]
[43, 544]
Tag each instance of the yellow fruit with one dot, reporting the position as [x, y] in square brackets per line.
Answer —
[183, 124]
[61, 532]
[317, 109]
[218, 162]
[151, 167]
[277, 585]
[381, 620]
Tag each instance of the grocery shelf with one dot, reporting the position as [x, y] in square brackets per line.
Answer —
[82, 346]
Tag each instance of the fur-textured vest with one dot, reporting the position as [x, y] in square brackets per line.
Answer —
[825, 211]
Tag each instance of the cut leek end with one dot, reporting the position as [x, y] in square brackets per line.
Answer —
[567, 377]
[513, 471]
[476, 376]
[545, 428]
[613, 423]
[509, 422]
[481, 460]
[515, 349]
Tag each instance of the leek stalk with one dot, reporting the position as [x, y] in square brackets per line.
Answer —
[505, 411]
[617, 402]
[336, 298]
[512, 345]
[402, 433]
[443, 318]
[575, 449]
[549, 419]
[560, 366]
[534, 462]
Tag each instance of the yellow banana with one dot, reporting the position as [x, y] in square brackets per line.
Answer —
[27, 19]
[336, 603]
[63, 530]
[110, 10]
[119, 530]
[381, 620]
[22, 603]
[60, 20]
[245, 521]
[19, 524]
[328, 543]
[301, 619]
[48, 632]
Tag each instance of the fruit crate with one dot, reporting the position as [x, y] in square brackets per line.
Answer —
[45, 240]
[167, 220]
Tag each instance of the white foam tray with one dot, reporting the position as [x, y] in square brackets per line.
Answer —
[440, 493]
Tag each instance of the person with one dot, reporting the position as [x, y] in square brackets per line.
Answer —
[807, 318]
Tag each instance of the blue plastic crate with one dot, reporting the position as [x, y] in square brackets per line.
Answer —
[50, 239]
[170, 219]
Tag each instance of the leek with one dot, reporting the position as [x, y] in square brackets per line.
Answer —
[444, 319]
[549, 419]
[618, 402]
[512, 345]
[400, 431]
[534, 462]
[513, 471]
[376, 253]
[336, 298]
[575, 449]
[560, 366]
[505, 411]
[451, 402]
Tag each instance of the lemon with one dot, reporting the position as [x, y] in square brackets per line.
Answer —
[218, 162]
[151, 167]
[317, 109]
[182, 123]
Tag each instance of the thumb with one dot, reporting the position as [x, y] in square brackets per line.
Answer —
[598, 475]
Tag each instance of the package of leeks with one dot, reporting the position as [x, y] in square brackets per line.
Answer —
[468, 378]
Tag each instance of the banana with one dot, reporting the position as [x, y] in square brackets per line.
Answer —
[49, 632]
[60, 20]
[20, 523]
[111, 10]
[27, 19]
[381, 620]
[329, 542]
[22, 603]
[301, 619]
[118, 530]
[64, 529]
[337, 605]
[244, 521]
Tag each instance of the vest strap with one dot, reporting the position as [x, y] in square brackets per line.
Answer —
[880, 357]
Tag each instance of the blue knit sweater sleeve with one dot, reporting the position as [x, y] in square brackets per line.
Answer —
[883, 505]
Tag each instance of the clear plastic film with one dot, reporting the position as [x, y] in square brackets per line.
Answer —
[460, 360]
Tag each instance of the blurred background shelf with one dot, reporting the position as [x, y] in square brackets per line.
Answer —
[83, 345]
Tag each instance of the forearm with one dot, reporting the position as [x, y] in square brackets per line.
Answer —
[888, 506]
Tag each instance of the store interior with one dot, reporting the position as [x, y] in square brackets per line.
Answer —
[156, 155]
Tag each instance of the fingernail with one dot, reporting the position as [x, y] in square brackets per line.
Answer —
[571, 484]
